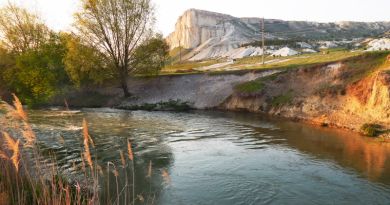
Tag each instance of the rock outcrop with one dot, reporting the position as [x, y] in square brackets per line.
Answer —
[210, 35]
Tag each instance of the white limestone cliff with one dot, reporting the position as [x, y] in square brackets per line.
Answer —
[212, 35]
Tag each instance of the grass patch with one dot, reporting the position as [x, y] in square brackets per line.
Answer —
[255, 86]
[283, 99]
[187, 67]
[250, 87]
[294, 61]
[371, 130]
[365, 65]
[247, 64]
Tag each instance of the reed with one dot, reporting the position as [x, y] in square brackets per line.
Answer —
[166, 177]
[3, 155]
[28, 180]
[131, 157]
[149, 170]
[87, 137]
[19, 111]
[12, 145]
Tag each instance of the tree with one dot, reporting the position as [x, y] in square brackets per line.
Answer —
[116, 28]
[84, 64]
[40, 73]
[21, 30]
[150, 56]
[6, 62]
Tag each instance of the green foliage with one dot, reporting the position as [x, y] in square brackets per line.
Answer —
[150, 56]
[281, 100]
[39, 73]
[255, 86]
[84, 64]
[371, 130]
[250, 87]
[6, 62]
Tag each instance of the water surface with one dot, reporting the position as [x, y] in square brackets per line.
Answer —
[226, 158]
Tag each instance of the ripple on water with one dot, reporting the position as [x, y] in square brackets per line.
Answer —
[217, 159]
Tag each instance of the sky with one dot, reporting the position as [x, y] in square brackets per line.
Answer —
[58, 13]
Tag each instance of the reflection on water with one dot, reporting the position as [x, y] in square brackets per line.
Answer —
[227, 158]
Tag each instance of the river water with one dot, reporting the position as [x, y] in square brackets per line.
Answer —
[225, 158]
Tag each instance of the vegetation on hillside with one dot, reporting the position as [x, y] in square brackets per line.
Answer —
[356, 68]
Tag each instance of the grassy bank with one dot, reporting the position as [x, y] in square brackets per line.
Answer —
[357, 67]
[254, 63]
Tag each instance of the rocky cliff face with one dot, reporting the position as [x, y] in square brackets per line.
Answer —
[210, 34]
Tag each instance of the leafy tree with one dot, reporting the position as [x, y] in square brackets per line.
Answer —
[6, 62]
[21, 30]
[84, 64]
[150, 56]
[31, 63]
[116, 28]
[40, 73]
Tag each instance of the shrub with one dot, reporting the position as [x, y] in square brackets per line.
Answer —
[371, 130]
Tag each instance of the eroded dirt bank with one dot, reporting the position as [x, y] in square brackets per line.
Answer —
[345, 94]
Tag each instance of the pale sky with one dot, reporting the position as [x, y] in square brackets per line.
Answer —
[58, 13]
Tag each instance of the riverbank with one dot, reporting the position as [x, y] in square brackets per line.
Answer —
[348, 94]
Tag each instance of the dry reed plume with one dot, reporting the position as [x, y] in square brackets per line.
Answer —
[86, 132]
[87, 139]
[27, 131]
[28, 134]
[19, 111]
[165, 176]
[122, 158]
[130, 151]
[13, 145]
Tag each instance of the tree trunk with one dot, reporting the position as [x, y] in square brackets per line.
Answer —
[125, 89]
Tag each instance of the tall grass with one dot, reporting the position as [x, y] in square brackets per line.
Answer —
[25, 179]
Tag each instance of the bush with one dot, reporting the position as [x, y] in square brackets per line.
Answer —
[371, 130]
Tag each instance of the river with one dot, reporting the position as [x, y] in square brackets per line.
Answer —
[225, 158]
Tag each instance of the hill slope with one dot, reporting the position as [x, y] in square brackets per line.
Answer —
[210, 34]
